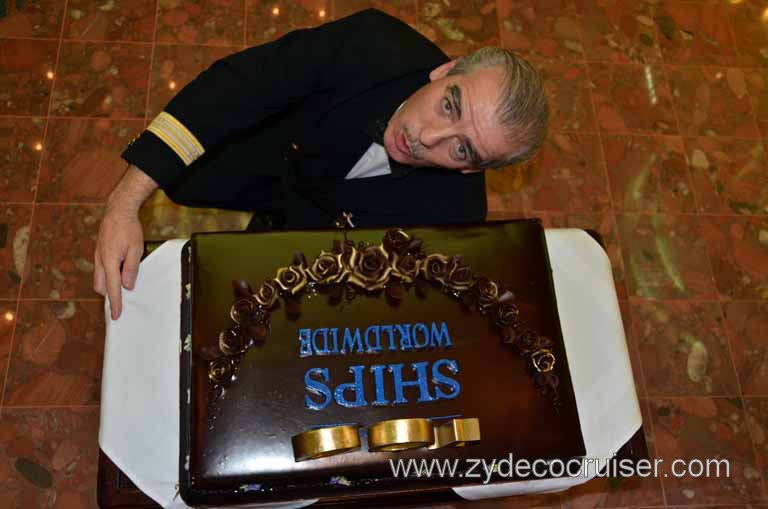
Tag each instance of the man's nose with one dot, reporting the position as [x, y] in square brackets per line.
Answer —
[432, 135]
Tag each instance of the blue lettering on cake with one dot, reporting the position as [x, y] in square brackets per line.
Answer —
[305, 349]
[352, 344]
[378, 374]
[317, 387]
[420, 327]
[405, 336]
[390, 330]
[375, 347]
[440, 379]
[421, 382]
[318, 350]
[335, 334]
[438, 335]
[356, 386]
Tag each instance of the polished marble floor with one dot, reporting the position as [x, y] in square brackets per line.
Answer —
[660, 112]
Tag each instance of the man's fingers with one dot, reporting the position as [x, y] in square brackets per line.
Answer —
[114, 288]
[99, 284]
[131, 267]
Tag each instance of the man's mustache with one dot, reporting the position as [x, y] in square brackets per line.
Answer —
[417, 149]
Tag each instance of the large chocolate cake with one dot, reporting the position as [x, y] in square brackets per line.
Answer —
[289, 336]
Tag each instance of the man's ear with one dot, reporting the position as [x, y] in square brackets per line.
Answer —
[442, 71]
[471, 170]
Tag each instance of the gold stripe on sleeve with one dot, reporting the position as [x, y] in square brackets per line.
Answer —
[177, 137]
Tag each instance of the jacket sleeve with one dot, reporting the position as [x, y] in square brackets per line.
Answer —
[243, 89]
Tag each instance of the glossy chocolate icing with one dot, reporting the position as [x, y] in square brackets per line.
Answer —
[239, 445]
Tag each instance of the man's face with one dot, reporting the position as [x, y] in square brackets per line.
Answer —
[450, 122]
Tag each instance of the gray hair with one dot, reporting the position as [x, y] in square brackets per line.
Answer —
[523, 109]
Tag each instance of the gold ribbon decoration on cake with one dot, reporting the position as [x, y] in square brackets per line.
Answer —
[394, 266]
[324, 442]
[456, 433]
[400, 435]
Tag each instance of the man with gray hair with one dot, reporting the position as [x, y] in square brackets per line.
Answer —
[362, 116]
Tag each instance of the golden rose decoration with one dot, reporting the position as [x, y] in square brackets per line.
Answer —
[326, 269]
[266, 295]
[220, 370]
[506, 315]
[460, 277]
[396, 241]
[372, 269]
[406, 268]
[436, 267]
[233, 341]
[291, 279]
[486, 292]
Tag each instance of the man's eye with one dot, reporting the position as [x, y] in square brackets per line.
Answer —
[461, 150]
[447, 106]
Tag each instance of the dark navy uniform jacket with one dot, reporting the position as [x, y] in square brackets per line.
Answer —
[277, 127]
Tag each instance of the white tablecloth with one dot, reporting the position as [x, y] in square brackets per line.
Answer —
[140, 383]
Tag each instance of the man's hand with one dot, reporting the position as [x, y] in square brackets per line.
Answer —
[121, 240]
[118, 252]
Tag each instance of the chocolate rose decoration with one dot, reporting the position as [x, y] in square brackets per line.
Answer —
[372, 269]
[241, 289]
[486, 293]
[506, 315]
[266, 295]
[436, 267]
[233, 341]
[221, 370]
[326, 268]
[460, 276]
[396, 241]
[242, 310]
[291, 279]
[406, 268]
[527, 341]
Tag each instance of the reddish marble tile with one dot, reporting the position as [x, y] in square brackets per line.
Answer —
[738, 248]
[401, 9]
[459, 28]
[748, 20]
[102, 80]
[107, 20]
[746, 323]
[757, 91]
[62, 243]
[604, 224]
[163, 222]
[664, 256]
[648, 174]
[757, 418]
[567, 175]
[694, 33]
[568, 89]
[48, 458]
[32, 18]
[14, 239]
[26, 72]
[632, 98]
[7, 323]
[605, 492]
[499, 214]
[634, 354]
[620, 31]
[729, 176]
[173, 67]
[268, 21]
[699, 428]
[21, 142]
[201, 22]
[57, 354]
[683, 349]
[712, 101]
[541, 29]
[82, 160]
